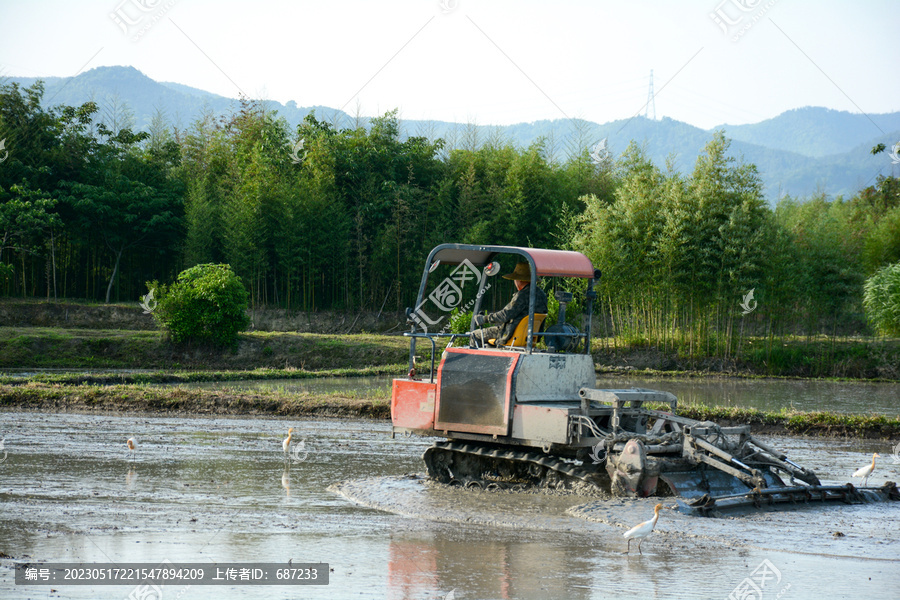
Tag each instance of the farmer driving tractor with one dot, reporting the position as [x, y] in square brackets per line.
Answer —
[510, 315]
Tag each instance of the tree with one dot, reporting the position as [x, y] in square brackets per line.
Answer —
[207, 305]
[828, 273]
[25, 217]
[882, 299]
[41, 149]
[126, 202]
[882, 244]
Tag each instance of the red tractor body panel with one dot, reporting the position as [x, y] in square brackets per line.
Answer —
[412, 404]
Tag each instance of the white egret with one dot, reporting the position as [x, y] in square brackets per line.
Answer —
[286, 444]
[865, 471]
[642, 530]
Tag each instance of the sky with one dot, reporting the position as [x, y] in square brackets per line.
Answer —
[490, 62]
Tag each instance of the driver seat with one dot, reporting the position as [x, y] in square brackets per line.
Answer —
[520, 335]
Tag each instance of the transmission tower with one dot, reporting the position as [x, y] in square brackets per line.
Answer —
[651, 99]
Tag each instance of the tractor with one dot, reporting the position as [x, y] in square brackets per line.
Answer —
[523, 412]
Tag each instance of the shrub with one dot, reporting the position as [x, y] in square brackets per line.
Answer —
[460, 321]
[882, 299]
[206, 305]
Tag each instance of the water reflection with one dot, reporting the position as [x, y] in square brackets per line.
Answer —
[435, 567]
[773, 395]
[647, 573]
[130, 477]
[286, 479]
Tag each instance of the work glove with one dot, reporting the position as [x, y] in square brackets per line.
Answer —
[479, 320]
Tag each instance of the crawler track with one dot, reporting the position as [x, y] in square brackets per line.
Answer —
[475, 465]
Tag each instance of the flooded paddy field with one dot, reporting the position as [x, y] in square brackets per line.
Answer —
[219, 490]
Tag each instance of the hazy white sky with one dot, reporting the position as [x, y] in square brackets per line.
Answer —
[487, 61]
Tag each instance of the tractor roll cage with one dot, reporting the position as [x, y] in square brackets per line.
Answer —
[542, 262]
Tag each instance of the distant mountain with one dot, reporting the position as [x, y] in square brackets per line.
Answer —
[847, 168]
[815, 131]
[800, 152]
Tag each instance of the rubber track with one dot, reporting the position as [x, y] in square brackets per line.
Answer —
[538, 458]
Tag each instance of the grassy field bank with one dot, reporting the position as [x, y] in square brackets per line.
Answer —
[816, 357]
[174, 400]
[264, 355]
[41, 347]
[71, 348]
[83, 335]
[56, 397]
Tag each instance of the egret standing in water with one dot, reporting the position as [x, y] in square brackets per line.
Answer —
[132, 445]
[286, 444]
[865, 471]
[642, 530]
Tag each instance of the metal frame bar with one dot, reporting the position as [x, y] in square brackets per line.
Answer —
[492, 252]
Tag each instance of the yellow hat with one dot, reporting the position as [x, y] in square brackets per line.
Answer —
[522, 272]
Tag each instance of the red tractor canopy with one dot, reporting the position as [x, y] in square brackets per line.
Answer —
[547, 263]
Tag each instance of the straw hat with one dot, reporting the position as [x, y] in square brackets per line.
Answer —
[522, 272]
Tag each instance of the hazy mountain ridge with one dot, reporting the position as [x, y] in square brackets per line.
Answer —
[815, 131]
[800, 152]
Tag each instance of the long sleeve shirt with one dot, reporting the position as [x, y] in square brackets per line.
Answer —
[512, 313]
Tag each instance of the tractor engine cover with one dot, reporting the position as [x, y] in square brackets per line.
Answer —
[475, 391]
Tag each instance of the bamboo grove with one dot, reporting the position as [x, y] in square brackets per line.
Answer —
[326, 217]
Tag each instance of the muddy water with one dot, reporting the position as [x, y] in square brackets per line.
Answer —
[216, 490]
[767, 395]
[774, 394]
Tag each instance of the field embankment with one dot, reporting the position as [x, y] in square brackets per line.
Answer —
[39, 334]
[48, 348]
[45, 336]
[800, 357]
[19, 312]
[176, 400]
[87, 398]
[70, 348]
